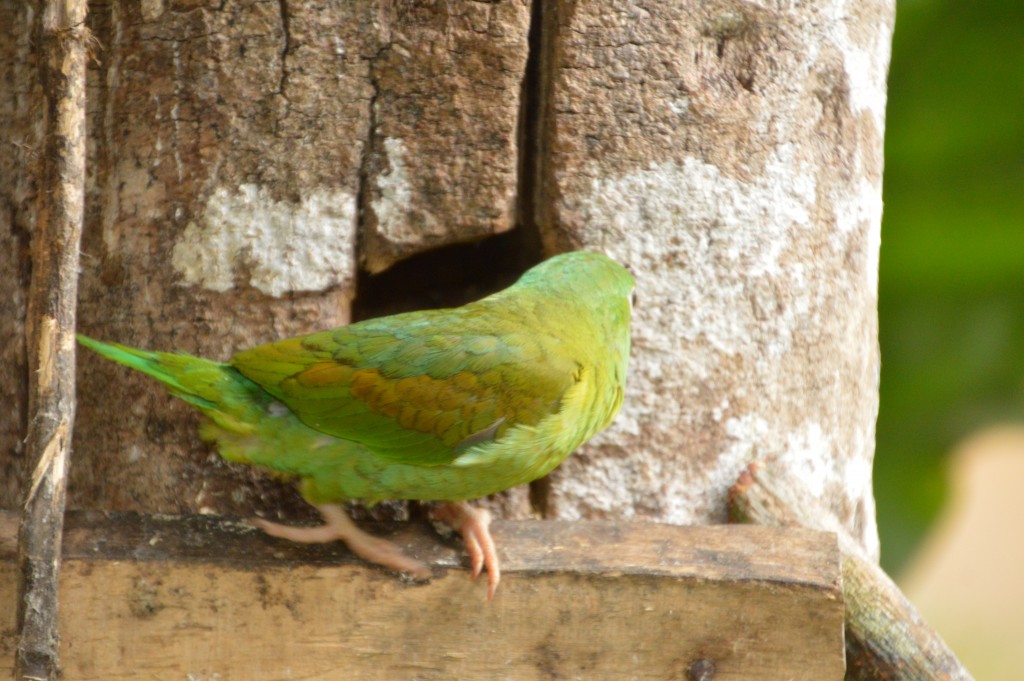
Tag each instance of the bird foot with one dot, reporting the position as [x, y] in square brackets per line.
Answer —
[474, 526]
[337, 525]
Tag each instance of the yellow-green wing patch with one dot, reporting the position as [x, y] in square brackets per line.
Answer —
[408, 393]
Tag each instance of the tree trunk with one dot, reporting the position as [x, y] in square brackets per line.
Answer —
[731, 154]
[253, 164]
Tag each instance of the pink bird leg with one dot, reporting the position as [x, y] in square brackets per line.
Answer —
[337, 525]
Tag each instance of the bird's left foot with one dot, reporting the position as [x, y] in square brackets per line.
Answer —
[337, 525]
[474, 526]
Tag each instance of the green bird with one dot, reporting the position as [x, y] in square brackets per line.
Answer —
[437, 405]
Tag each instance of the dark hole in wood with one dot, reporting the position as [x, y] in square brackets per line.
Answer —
[444, 277]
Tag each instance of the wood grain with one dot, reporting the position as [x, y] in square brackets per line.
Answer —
[206, 598]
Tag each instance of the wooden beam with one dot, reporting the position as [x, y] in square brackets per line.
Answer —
[205, 598]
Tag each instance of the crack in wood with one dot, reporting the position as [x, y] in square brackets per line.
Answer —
[286, 46]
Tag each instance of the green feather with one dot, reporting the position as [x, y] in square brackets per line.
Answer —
[444, 404]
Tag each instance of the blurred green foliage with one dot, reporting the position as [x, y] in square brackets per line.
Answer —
[951, 307]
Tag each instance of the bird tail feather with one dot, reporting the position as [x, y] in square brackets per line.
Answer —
[202, 383]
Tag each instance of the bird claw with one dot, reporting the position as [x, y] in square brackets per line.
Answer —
[474, 526]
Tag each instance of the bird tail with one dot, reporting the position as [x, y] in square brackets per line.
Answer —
[214, 388]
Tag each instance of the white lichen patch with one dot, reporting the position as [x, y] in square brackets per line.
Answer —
[151, 9]
[865, 51]
[604, 483]
[277, 246]
[858, 216]
[696, 239]
[395, 191]
[393, 205]
[679, 106]
[808, 456]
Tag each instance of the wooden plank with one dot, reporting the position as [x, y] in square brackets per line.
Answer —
[205, 598]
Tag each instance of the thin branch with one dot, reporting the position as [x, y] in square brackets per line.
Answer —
[63, 49]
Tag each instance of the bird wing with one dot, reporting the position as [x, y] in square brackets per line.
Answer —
[416, 388]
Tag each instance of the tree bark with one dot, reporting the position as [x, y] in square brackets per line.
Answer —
[238, 153]
[255, 161]
[20, 139]
[731, 154]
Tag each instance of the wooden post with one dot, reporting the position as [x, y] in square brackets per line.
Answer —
[50, 330]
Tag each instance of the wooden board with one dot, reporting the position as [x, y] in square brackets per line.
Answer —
[204, 599]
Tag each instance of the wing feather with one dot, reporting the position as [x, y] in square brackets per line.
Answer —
[417, 388]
